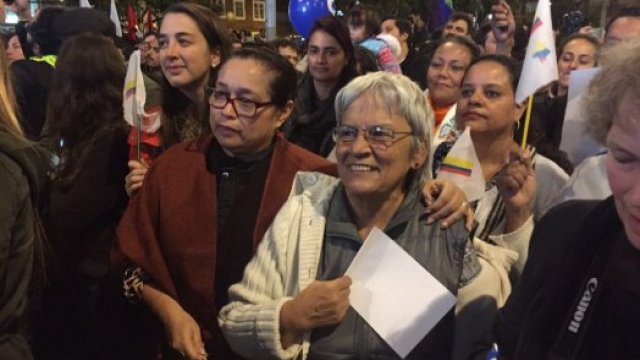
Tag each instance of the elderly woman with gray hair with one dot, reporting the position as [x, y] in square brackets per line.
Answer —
[293, 301]
[579, 295]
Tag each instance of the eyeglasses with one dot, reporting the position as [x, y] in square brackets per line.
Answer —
[243, 107]
[376, 135]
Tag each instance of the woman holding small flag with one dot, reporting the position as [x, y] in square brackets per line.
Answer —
[512, 191]
[193, 43]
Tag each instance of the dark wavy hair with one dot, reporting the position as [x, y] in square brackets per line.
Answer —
[88, 84]
[177, 108]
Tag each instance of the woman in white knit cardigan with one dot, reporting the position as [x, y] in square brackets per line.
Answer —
[282, 309]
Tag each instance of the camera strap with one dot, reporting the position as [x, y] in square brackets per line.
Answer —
[585, 301]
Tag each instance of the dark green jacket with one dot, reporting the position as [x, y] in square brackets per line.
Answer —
[22, 176]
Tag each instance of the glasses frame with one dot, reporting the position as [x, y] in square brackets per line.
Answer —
[395, 135]
[210, 90]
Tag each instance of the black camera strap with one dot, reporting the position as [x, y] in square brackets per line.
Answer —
[600, 235]
[581, 311]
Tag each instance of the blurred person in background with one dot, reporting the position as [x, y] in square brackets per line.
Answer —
[332, 65]
[31, 77]
[364, 25]
[288, 49]
[88, 137]
[460, 24]
[412, 64]
[13, 48]
[151, 57]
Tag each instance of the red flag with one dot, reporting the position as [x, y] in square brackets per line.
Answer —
[132, 23]
[148, 20]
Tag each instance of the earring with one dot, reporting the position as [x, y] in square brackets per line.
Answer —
[517, 125]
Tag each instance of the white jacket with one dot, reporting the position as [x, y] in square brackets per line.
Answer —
[285, 263]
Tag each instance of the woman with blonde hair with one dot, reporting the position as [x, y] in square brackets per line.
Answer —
[22, 174]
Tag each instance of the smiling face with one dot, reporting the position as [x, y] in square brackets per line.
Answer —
[374, 171]
[576, 54]
[445, 73]
[623, 165]
[246, 79]
[487, 103]
[327, 58]
[185, 55]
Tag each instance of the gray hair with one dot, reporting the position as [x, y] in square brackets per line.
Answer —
[401, 96]
[620, 75]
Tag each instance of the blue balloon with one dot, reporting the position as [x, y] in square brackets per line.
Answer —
[303, 13]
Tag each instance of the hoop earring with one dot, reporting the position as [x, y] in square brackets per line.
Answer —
[517, 125]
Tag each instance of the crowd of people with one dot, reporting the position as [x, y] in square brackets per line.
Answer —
[227, 232]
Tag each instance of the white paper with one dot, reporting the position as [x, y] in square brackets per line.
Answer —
[576, 141]
[579, 80]
[399, 299]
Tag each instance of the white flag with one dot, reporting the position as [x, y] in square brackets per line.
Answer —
[540, 67]
[85, 4]
[462, 167]
[135, 96]
[113, 15]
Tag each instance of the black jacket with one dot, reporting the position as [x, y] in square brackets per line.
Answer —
[22, 176]
[566, 248]
[310, 124]
[31, 80]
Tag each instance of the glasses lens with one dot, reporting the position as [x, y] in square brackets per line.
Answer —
[345, 134]
[245, 107]
[380, 135]
[218, 99]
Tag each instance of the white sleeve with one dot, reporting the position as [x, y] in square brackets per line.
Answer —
[550, 180]
[517, 241]
[251, 320]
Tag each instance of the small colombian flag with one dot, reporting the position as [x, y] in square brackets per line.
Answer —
[457, 165]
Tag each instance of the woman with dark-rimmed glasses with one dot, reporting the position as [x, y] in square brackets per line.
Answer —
[206, 204]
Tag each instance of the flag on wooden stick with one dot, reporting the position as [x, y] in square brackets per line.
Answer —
[540, 67]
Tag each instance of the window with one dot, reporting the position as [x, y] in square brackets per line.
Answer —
[219, 7]
[238, 9]
[258, 10]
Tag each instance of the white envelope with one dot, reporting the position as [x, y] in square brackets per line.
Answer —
[399, 299]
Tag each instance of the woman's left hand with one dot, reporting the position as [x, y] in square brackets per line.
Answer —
[516, 183]
[446, 201]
